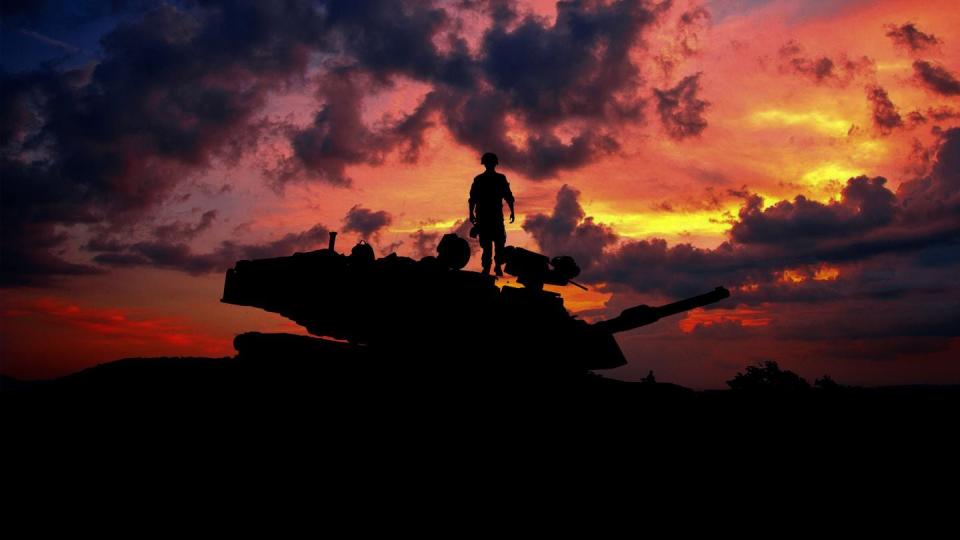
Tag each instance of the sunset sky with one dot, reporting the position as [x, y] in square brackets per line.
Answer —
[804, 154]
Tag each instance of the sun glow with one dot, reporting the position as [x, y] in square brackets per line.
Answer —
[577, 300]
[741, 315]
[829, 172]
[432, 226]
[647, 224]
[823, 272]
[826, 273]
[792, 276]
[814, 120]
[825, 182]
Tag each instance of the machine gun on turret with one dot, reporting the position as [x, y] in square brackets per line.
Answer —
[534, 270]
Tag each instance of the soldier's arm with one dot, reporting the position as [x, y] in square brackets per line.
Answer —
[472, 202]
[508, 196]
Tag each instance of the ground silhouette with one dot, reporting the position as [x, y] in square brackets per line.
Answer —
[424, 342]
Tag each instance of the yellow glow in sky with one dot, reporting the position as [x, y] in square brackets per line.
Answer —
[445, 225]
[646, 224]
[872, 149]
[577, 300]
[814, 120]
[826, 273]
[829, 171]
[792, 276]
[899, 65]
[819, 273]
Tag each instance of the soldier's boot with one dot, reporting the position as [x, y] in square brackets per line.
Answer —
[498, 271]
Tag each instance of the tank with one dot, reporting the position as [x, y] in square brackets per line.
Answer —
[395, 310]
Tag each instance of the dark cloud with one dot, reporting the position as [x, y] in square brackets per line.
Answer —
[920, 159]
[573, 68]
[387, 37]
[932, 114]
[30, 256]
[568, 231]
[918, 227]
[480, 121]
[885, 115]
[942, 113]
[690, 25]
[180, 231]
[175, 90]
[178, 88]
[689, 28]
[122, 260]
[365, 222]
[911, 38]
[915, 118]
[338, 136]
[181, 87]
[32, 208]
[383, 39]
[576, 74]
[180, 256]
[576, 70]
[707, 200]
[865, 204]
[425, 243]
[838, 71]
[58, 33]
[681, 110]
[104, 242]
[820, 69]
[936, 78]
[652, 266]
[937, 194]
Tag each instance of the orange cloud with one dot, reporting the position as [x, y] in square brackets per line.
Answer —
[822, 272]
[742, 315]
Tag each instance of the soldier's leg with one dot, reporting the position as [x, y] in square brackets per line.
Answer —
[486, 244]
[499, 241]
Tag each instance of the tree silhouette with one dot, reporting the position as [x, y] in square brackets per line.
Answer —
[827, 383]
[767, 376]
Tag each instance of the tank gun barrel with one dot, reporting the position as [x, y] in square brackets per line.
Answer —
[643, 315]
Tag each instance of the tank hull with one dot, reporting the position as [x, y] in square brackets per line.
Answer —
[423, 313]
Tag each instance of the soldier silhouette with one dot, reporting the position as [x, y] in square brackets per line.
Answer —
[487, 194]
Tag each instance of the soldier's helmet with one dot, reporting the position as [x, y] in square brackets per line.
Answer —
[489, 159]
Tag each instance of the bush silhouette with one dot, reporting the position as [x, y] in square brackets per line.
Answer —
[827, 383]
[768, 377]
